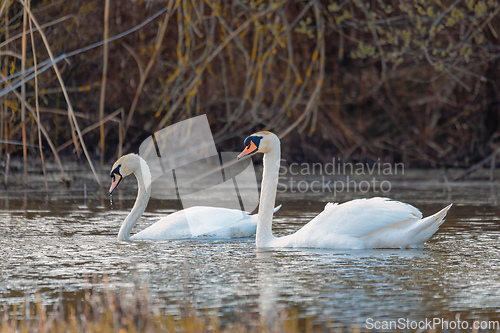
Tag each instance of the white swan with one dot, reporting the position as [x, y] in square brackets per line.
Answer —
[215, 222]
[357, 224]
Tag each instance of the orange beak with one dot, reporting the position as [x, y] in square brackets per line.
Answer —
[115, 180]
[251, 148]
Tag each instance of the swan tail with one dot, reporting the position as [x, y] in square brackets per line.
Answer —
[410, 233]
[426, 227]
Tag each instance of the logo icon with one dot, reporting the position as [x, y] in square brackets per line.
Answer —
[185, 165]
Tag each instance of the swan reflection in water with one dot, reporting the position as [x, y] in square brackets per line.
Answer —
[353, 285]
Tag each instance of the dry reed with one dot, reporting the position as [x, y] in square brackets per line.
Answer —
[136, 311]
[410, 82]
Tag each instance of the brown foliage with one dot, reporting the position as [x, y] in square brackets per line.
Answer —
[411, 81]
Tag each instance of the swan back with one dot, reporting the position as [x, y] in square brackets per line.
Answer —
[366, 224]
[362, 216]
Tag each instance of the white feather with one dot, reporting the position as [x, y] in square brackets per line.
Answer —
[357, 224]
[198, 221]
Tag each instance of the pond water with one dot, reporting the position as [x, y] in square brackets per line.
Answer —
[56, 244]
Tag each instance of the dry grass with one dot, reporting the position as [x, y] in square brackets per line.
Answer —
[136, 311]
[405, 81]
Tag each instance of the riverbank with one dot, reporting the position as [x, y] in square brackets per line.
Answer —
[76, 172]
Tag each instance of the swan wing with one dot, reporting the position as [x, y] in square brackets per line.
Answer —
[360, 217]
[366, 223]
[201, 221]
[220, 222]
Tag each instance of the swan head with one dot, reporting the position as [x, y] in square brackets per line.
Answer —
[124, 166]
[260, 142]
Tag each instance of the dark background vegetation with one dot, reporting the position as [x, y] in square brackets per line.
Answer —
[407, 81]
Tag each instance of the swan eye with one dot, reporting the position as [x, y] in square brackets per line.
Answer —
[255, 139]
[251, 146]
[116, 171]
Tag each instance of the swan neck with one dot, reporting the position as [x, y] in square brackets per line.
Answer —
[264, 234]
[143, 176]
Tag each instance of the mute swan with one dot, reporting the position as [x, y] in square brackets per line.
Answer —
[357, 224]
[221, 222]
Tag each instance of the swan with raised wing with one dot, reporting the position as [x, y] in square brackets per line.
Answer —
[214, 221]
[357, 224]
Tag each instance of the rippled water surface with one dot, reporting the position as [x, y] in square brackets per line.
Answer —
[58, 243]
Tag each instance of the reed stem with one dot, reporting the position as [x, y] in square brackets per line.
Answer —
[23, 94]
[159, 40]
[37, 109]
[102, 98]
[71, 115]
